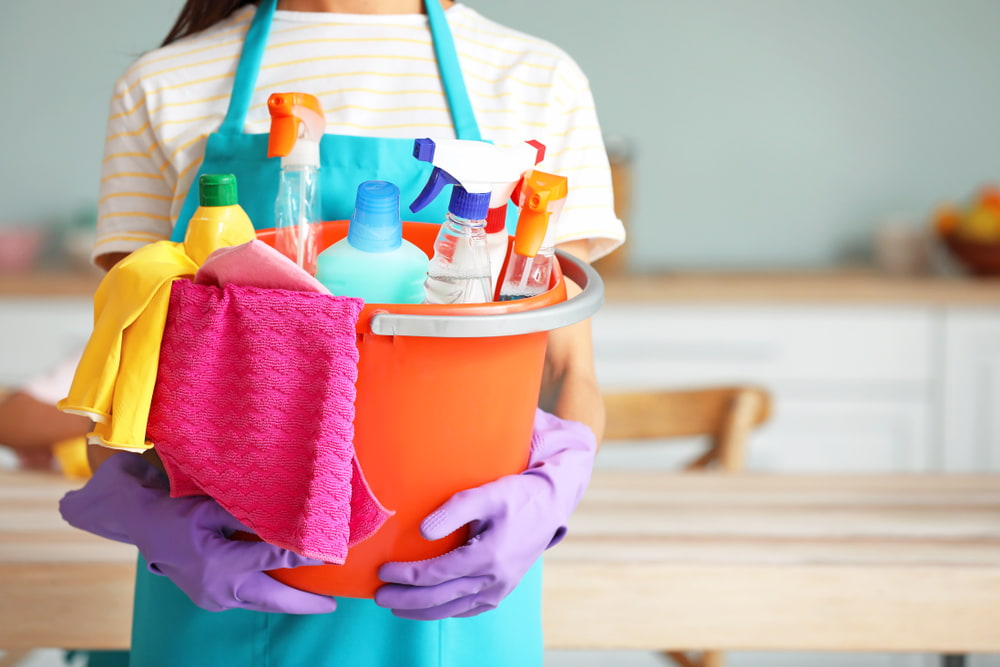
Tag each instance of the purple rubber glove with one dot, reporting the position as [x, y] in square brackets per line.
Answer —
[512, 521]
[186, 539]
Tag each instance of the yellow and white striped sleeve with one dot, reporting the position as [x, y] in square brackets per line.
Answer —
[135, 198]
[575, 149]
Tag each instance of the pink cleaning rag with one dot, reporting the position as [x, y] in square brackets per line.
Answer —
[256, 264]
[254, 406]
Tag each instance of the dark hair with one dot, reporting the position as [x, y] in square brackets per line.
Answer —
[200, 14]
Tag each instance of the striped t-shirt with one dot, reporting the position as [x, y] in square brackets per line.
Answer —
[375, 75]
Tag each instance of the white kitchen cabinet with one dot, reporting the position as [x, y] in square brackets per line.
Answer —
[852, 385]
[806, 346]
[38, 333]
[970, 390]
[862, 434]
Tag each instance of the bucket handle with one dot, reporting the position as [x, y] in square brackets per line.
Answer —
[559, 315]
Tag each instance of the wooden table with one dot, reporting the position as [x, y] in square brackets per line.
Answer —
[789, 562]
[653, 561]
[59, 587]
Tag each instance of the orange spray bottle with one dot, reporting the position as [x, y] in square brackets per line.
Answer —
[529, 267]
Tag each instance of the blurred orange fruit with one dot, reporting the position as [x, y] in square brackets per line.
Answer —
[946, 219]
[989, 198]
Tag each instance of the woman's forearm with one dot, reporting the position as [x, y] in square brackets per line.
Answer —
[29, 424]
[569, 383]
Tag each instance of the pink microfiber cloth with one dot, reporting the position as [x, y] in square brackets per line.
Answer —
[256, 264]
[254, 406]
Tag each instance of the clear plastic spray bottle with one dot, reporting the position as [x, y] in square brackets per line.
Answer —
[297, 125]
[459, 271]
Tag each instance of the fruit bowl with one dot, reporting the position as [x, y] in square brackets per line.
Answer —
[980, 258]
[971, 233]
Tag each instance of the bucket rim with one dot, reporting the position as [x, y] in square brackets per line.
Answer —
[522, 322]
[542, 313]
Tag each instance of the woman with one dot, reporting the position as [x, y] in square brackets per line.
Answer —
[385, 74]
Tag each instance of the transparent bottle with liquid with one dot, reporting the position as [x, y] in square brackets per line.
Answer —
[459, 271]
[528, 276]
[297, 215]
[529, 266]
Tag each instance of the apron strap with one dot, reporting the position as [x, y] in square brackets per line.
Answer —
[452, 80]
[245, 80]
[255, 42]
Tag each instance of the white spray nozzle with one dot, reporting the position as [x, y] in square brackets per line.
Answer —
[512, 164]
[471, 163]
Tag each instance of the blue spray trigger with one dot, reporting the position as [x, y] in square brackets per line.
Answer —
[439, 178]
[423, 150]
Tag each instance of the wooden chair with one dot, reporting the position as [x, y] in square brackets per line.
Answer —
[724, 415]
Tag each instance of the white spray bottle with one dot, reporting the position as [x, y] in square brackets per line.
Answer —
[511, 165]
[297, 125]
[459, 271]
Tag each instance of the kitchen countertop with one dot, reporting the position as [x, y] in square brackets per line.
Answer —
[81, 282]
[827, 286]
[834, 286]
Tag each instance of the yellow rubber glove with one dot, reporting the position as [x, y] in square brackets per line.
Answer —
[130, 308]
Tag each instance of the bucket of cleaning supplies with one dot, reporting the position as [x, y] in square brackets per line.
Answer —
[446, 398]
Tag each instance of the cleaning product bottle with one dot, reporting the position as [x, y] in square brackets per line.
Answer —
[375, 263]
[529, 266]
[218, 221]
[459, 271]
[510, 166]
[297, 125]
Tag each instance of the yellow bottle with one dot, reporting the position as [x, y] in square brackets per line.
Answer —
[219, 220]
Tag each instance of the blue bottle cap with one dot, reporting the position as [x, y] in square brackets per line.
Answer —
[375, 224]
[469, 205]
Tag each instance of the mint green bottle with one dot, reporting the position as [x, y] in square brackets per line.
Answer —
[375, 263]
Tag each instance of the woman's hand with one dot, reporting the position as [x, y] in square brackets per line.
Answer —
[512, 521]
[187, 540]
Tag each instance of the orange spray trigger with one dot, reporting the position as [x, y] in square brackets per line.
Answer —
[293, 115]
[539, 191]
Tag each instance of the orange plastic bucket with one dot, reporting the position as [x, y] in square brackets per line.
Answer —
[441, 406]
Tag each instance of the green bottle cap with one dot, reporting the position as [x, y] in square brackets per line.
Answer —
[217, 190]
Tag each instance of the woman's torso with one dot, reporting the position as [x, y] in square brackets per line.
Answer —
[518, 86]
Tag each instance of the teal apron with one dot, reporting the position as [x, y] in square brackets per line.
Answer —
[168, 629]
[346, 161]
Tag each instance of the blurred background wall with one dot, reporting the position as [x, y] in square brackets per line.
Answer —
[782, 133]
[762, 133]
